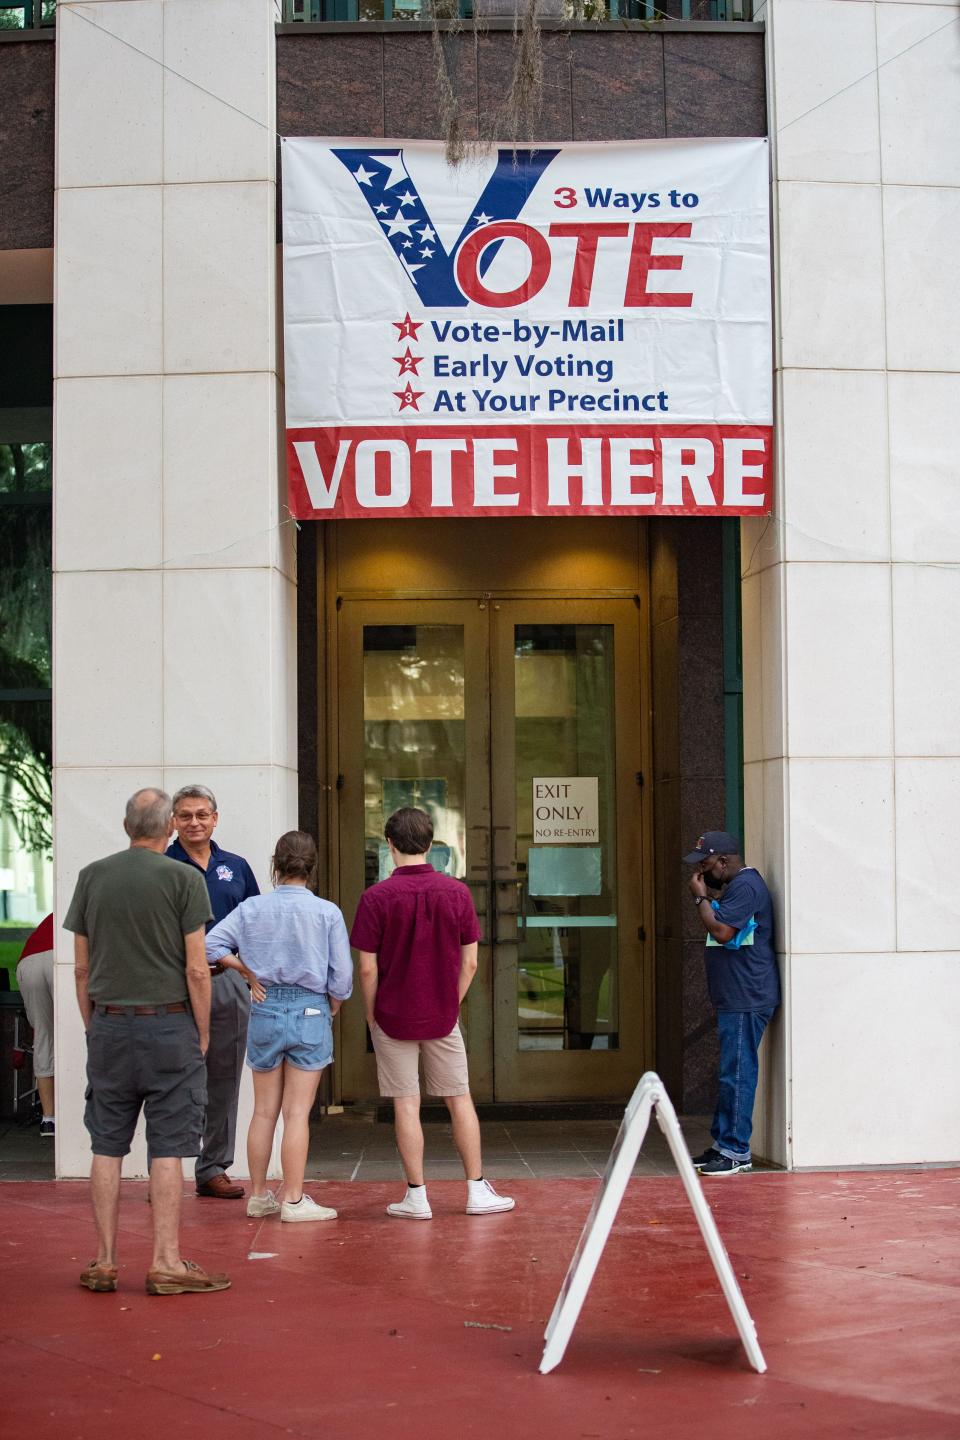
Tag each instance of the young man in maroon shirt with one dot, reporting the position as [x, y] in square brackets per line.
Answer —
[416, 933]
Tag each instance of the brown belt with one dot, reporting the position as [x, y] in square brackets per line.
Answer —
[177, 1009]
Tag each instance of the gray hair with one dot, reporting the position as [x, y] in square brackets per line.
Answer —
[195, 792]
[148, 814]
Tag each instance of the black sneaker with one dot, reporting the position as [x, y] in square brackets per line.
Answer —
[723, 1165]
[48, 1129]
[698, 1161]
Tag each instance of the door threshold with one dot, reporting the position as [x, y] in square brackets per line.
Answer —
[519, 1110]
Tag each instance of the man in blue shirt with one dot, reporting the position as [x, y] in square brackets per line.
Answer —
[744, 985]
[229, 881]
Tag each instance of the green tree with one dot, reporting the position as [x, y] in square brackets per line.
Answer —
[26, 755]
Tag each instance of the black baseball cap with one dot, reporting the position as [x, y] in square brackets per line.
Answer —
[713, 842]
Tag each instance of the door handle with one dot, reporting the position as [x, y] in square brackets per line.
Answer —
[488, 915]
[518, 883]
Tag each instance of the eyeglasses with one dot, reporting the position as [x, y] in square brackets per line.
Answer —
[185, 815]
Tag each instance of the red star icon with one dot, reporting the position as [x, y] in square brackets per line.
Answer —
[408, 328]
[409, 363]
[408, 398]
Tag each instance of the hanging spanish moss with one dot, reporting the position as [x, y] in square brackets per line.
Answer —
[523, 101]
[447, 29]
[516, 117]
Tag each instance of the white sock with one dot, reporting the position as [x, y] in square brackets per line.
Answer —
[50, 1118]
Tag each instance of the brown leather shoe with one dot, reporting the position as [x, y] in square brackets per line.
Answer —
[194, 1280]
[221, 1187]
[99, 1277]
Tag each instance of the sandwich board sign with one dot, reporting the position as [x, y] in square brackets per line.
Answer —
[649, 1096]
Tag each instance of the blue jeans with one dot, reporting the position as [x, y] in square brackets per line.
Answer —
[740, 1034]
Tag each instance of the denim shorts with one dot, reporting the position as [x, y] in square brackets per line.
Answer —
[293, 1025]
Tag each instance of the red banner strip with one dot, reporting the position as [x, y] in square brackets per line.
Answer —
[356, 472]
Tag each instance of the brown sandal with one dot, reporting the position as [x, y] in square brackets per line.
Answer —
[99, 1277]
[193, 1281]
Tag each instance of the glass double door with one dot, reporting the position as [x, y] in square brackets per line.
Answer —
[517, 725]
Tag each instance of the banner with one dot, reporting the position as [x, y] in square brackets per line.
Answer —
[572, 330]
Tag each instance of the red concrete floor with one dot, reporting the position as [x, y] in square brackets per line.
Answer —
[370, 1327]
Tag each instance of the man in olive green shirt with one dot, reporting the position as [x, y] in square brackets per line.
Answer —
[143, 987]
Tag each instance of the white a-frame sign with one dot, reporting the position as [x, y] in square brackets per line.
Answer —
[648, 1096]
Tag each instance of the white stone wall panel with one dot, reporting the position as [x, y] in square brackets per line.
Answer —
[108, 656]
[839, 660]
[918, 48]
[108, 281]
[826, 94]
[219, 442]
[873, 1060]
[831, 276]
[108, 494]
[109, 93]
[921, 231]
[835, 511]
[217, 281]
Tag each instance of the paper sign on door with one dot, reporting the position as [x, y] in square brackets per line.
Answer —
[566, 810]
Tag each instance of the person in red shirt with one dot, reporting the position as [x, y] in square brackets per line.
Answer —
[416, 933]
[35, 981]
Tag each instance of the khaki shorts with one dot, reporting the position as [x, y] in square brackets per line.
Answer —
[444, 1064]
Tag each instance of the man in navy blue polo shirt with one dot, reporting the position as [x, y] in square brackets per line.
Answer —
[744, 985]
[229, 880]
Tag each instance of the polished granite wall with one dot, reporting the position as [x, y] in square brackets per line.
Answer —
[26, 144]
[689, 792]
[599, 83]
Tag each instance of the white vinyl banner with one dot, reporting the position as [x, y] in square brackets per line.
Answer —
[562, 331]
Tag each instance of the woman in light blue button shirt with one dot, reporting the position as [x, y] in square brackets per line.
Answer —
[294, 950]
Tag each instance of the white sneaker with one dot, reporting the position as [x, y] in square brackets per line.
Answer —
[482, 1199]
[259, 1206]
[306, 1209]
[413, 1206]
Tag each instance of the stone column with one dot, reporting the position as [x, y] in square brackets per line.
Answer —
[174, 586]
[851, 595]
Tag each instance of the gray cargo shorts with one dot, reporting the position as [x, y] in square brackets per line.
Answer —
[148, 1062]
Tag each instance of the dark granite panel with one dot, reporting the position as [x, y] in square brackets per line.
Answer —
[598, 85]
[700, 571]
[495, 57]
[701, 694]
[411, 98]
[714, 84]
[617, 85]
[698, 1012]
[26, 145]
[701, 1053]
[330, 84]
[702, 803]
